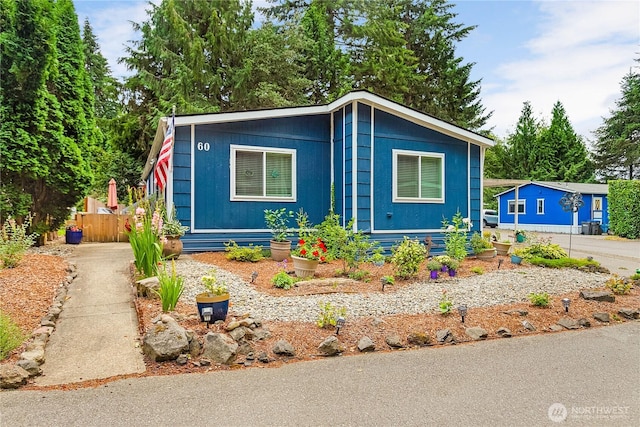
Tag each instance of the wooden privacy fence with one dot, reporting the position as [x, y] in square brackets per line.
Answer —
[103, 227]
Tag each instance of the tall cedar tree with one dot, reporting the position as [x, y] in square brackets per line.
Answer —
[42, 161]
[617, 149]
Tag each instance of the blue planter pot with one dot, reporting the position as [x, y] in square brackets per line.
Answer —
[73, 237]
[515, 259]
[219, 304]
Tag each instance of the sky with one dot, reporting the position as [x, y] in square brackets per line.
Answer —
[575, 52]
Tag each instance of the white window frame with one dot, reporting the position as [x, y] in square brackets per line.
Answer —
[232, 172]
[395, 154]
[540, 206]
[511, 204]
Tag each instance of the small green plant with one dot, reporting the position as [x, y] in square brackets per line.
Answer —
[539, 300]
[455, 239]
[171, 287]
[282, 280]
[445, 303]
[618, 285]
[477, 270]
[542, 248]
[479, 243]
[360, 275]
[433, 265]
[635, 276]
[210, 282]
[278, 221]
[243, 253]
[14, 241]
[388, 280]
[564, 263]
[10, 335]
[172, 227]
[407, 257]
[329, 314]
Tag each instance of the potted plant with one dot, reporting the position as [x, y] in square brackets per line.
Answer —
[172, 231]
[213, 304]
[453, 266]
[516, 256]
[73, 235]
[521, 236]
[307, 254]
[278, 221]
[434, 266]
[502, 246]
[445, 260]
[482, 247]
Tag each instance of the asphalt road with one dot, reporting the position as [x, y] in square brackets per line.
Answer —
[587, 377]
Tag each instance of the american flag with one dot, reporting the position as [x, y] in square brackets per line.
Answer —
[162, 166]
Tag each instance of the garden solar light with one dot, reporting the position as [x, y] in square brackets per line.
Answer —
[384, 282]
[339, 324]
[254, 275]
[565, 304]
[462, 309]
[500, 263]
[207, 313]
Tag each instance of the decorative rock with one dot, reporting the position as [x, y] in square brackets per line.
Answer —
[245, 348]
[12, 376]
[568, 323]
[165, 340]
[204, 361]
[629, 313]
[584, 322]
[606, 296]
[37, 355]
[47, 321]
[262, 357]
[45, 330]
[518, 312]
[418, 338]
[31, 366]
[476, 333]
[182, 359]
[330, 346]
[504, 332]
[238, 333]
[233, 325]
[194, 345]
[394, 341]
[444, 336]
[220, 348]
[283, 348]
[260, 334]
[148, 287]
[366, 345]
[527, 325]
[377, 322]
[248, 323]
[602, 317]
[556, 328]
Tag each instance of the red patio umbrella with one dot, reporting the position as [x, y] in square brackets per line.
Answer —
[112, 198]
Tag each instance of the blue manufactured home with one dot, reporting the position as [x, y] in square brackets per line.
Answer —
[539, 207]
[392, 169]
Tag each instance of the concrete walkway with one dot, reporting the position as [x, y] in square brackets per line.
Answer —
[96, 333]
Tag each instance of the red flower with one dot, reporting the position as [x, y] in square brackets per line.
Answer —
[323, 259]
[316, 253]
[301, 242]
[303, 251]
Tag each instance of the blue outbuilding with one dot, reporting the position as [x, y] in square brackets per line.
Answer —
[539, 207]
[396, 171]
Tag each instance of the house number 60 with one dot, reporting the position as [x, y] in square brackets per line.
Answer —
[203, 146]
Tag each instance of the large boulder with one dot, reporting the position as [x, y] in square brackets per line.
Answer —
[283, 348]
[605, 296]
[444, 336]
[12, 376]
[220, 348]
[366, 345]
[165, 340]
[330, 346]
[476, 333]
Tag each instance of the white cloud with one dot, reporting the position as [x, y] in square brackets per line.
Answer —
[578, 57]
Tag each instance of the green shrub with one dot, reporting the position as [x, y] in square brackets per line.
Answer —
[479, 243]
[360, 275]
[407, 257]
[278, 221]
[329, 314]
[144, 236]
[388, 280]
[171, 287]
[563, 262]
[635, 276]
[539, 300]
[10, 335]
[618, 285]
[283, 280]
[351, 247]
[455, 236]
[244, 254]
[14, 241]
[477, 270]
[624, 209]
[542, 248]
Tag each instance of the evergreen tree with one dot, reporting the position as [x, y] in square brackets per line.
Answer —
[617, 149]
[522, 145]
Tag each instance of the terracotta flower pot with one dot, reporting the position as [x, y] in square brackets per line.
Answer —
[280, 250]
[304, 267]
[172, 248]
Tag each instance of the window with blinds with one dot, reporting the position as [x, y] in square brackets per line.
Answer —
[259, 173]
[418, 177]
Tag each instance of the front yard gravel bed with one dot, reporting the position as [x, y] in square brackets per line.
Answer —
[494, 288]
